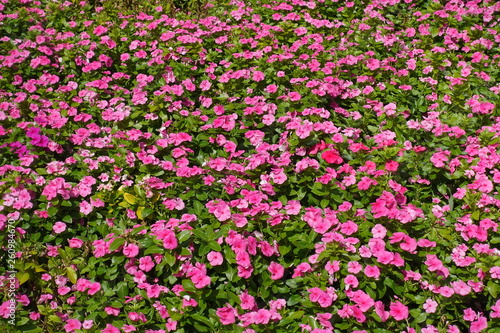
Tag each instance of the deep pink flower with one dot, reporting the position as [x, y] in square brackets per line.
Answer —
[247, 301]
[130, 250]
[112, 311]
[276, 270]
[94, 287]
[331, 156]
[398, 311]
[146, 263]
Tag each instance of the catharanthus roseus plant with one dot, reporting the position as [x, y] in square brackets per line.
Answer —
[271, 166]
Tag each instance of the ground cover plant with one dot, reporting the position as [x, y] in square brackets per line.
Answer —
[274, 166]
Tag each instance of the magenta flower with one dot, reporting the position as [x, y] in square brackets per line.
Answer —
[331, 156]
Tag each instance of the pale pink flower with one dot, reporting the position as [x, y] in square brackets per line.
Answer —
[59, 227]
[215, 258]
[430, 306]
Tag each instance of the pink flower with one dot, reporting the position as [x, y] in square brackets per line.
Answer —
[379, 231]
[59, 227]
[272, 88]
[372, 271]
[221, 211]
[85, 207]
[130, 250]
[276, 270]
[227, 315]
[169, 240]
[479, 325]
[351, 281]
[433, 263]
[215, 258]
[112, 311]
[332, 266]
[75, 243]
[87, 324]
[398, 310]
[94, 287]
[72, 325]
[430, 306]
[247, 301]
[171, 325]
[258, 76]
[380, 311]
[495, 310]
[294, 96]
[262, 316]
[391, 166]
[110, 329]
[146, 264]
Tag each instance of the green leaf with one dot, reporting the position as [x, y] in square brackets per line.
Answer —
[204, 320]
[153, 249]
[170, 259]
[184, 235]
[116, 244]
[215, 246]
[493, 288]
[71, 273]
[200, 233]
[122, 289]
[290, 318]
[188, 285]
[35, 330]
[23, 277]
[52, 211]
[54, 318]
[129, 198]
[145, 212]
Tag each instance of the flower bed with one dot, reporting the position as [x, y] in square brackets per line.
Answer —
[274, 166]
